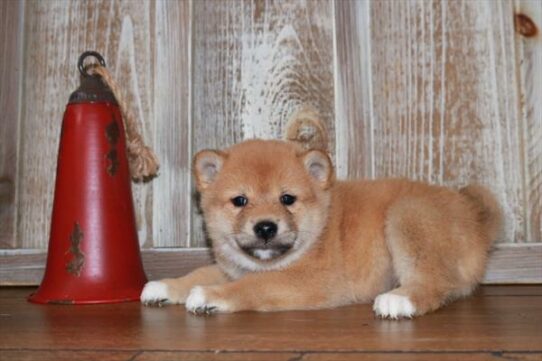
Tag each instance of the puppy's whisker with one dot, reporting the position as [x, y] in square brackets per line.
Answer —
[240, 234]
[307, 232]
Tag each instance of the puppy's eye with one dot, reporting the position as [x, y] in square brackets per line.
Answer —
[239, 201]
[287, 199]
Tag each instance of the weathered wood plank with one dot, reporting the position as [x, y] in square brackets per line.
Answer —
[172, 128]
[511, 263]
[11, 46]
[438, 88]
[529, 47]
[55, 34]
[354, 122]
[507, 264]
[255, 64]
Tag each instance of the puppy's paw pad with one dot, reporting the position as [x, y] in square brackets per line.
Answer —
[199, 302]
[389, 305]
[154, 293]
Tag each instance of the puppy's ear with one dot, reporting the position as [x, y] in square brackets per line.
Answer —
[319, 167]
[207, 164]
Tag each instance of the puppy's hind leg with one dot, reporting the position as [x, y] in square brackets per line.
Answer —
[408, 301]
[431, 263]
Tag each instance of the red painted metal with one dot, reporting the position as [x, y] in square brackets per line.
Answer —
[94, 254]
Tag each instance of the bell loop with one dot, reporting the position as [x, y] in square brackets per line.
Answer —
[81, 61]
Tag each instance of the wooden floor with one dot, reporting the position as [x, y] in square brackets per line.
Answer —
[498, 323]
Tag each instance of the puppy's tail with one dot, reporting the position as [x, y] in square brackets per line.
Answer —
[489, 211]
[307, 129]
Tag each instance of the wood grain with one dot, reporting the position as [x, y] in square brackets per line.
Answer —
[530, 66]
[56, 33]
[354, 100]
[255, 63]
[507, 264]
[479, 324]
[172, 204]
[11, 46]
[434, 88]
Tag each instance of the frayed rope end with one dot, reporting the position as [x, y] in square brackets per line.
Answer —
[144, 164]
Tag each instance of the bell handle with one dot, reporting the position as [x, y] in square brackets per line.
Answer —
[85, 55]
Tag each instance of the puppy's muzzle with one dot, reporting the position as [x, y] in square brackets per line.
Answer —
[266, 243]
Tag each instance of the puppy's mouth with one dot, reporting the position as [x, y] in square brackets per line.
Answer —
[267, 252]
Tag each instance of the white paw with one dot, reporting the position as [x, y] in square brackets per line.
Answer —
[198, 302]
[389, 305]
[154, 294]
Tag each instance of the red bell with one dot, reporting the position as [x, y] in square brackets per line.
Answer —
[93, 254]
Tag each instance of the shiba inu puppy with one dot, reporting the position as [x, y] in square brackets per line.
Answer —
[286, 235]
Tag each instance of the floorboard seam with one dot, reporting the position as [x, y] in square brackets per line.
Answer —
[135, 356]
[298, 357]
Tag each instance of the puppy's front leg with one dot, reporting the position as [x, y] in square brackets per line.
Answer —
[265, 291]
[175, 290]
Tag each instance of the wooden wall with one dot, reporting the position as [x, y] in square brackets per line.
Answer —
[443, 91]
[433, 90]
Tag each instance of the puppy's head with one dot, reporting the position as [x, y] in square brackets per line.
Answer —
[264, 202]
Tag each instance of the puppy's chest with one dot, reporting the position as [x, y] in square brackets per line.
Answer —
[233, 271]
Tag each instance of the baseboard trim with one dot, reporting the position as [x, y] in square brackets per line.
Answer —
[508, 264]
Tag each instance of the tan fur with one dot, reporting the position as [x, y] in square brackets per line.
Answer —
[355, 239]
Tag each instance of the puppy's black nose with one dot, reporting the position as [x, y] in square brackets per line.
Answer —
[265, 230]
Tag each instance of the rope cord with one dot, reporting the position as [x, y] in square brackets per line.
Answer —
[142, 160]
